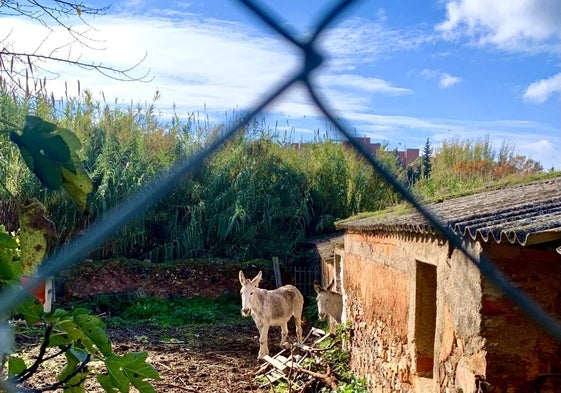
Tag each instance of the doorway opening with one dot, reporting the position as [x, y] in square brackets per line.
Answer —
[425, 318]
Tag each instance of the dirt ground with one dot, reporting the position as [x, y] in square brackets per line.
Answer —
[215, 360]
[188, 359]
[207, 360]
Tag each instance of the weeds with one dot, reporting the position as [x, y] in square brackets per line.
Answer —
[327, 370]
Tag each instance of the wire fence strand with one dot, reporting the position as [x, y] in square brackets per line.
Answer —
[138, 204]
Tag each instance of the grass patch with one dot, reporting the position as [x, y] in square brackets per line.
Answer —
[396, 210]
[225, 310]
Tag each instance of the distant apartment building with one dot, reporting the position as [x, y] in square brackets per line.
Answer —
[406, 156]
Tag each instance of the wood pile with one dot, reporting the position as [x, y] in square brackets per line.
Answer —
[288, 365]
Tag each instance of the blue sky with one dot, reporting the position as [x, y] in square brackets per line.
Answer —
[398, 71]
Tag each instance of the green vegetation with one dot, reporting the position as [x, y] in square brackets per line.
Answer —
[78, 336]
[329, 366]
[121, 310]
[255, 198]
[462, 167]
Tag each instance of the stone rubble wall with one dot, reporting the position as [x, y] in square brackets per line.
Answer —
[379, 273]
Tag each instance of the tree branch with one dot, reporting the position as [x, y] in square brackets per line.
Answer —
[101, 68]
[20, 67]
[27, 373]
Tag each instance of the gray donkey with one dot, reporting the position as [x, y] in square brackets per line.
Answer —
[328, 302]
[271, 308]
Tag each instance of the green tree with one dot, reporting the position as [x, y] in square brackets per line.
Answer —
[426, 165]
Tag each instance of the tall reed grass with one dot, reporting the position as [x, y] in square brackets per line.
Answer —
[257, 197]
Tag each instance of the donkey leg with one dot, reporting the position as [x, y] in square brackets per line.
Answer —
[263, 341]
[298, 323]
[284, 335]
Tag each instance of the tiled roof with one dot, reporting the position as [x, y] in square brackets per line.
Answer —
[523, 214]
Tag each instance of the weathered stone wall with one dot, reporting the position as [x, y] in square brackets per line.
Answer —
[380, 279]
[459, 345]
[379, 316]
[377, 303]
[482, 341]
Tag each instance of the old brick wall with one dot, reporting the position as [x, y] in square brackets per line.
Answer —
[520, 353]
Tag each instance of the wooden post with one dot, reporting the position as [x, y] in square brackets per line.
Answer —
[276, 268]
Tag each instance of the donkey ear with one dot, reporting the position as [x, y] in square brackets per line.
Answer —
[331, 286]
[243, 280]
[257, 278]
[317, 287]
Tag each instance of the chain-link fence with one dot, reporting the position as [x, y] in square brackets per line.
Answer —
[312, 56]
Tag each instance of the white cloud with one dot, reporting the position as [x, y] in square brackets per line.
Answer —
[367, 84]
[215, 64]
[194, 62]
[358, 41]
[516, 25]
[541, 90]
[445, 80]
[200, 63]
[539, 147]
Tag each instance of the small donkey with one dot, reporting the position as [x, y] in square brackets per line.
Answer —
[271, 308]
[328, 302]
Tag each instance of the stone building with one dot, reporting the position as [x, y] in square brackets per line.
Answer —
[425, 319]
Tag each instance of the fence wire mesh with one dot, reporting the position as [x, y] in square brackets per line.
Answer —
[312, 57]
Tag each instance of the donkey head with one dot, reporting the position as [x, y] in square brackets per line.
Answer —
[247, 291]
[328, 302]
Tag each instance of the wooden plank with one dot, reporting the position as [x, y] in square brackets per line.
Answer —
[319, 340]
[273, 376]
[314, 332]
[281, 363]
[289, 362]
[304, 347]
[274, 362]
[309, 348]
[317, 332]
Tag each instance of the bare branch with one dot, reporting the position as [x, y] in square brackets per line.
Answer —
[109, 71]
[19, 70]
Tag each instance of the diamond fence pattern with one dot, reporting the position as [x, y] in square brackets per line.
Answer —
[312, 56]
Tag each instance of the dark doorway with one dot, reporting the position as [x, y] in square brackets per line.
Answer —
[425, 318]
